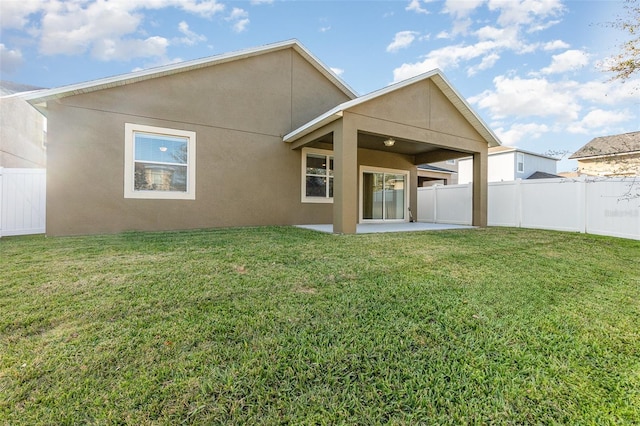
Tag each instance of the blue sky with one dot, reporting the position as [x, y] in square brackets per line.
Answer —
[529, 68]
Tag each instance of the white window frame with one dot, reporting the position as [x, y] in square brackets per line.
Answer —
[519, 162]
[129, 163]
[316, 151]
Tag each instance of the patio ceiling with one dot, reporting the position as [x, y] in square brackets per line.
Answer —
[422, 151]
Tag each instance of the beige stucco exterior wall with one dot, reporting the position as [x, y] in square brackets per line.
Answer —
[619, 165]
[426, 114]
[245, 174]
[22, 135]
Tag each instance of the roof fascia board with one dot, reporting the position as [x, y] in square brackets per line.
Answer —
[318, 122]
[43, 96]
[511, 150]
[615, 154]
[480, 126]
[335, 79]
[457, 100]
[337, 112]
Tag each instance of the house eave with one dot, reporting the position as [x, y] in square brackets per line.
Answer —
[435, 75]
[596, 157]
[39, 98]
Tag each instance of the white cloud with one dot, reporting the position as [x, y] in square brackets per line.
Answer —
[15, 14]
[447, 57]
[74, 29]
[599, 119]
[536, 97]
[526, 12]
[402, 40]
[259, 2]
[10, 59]
[555, 45]
[608, 93]
[240, 19]
[108, 29]
[571, 60]
[325, 29]
[124, 49]
[462, 9]
[337, 71]
[487, 62]
[206, 8]
[518, 132]
[190, 37]
[415, 6]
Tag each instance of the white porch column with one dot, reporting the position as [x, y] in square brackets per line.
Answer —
[345, 182]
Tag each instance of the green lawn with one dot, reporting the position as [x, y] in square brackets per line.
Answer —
[280, 325]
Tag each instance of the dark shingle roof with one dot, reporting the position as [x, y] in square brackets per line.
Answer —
[543, 175]
[434, 168]
[610, 145]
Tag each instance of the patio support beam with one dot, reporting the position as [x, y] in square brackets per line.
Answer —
[345, 182]
[480, 188]
[439, 155]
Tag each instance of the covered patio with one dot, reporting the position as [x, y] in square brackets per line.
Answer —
[374, 228]
[393, 130]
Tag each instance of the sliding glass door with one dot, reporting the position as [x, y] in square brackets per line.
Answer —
[383, 195]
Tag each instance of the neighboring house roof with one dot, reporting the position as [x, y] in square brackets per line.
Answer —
[543, 175]
[497, 150]
[39, 98]
[504, 149]
[434, 168]
[10, 87]
[438, 79]
[625, 143]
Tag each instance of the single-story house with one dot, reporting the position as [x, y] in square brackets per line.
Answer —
[508, 163]
[264, 136]
[611, 156]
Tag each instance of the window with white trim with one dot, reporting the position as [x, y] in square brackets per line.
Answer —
[520, 162]
[317, 175]
[159, 163]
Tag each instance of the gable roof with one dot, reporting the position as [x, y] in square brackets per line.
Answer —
[624, 143]
[39, 98]
[438, 79]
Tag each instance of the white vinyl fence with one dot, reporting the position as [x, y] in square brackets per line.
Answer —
[592, 205]
[22, 201]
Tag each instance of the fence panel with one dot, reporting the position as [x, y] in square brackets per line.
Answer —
[504, 208]
[614, 207]
[593, 205]
[426, 203]
[22, 201]
[445, 204]
[556, 204]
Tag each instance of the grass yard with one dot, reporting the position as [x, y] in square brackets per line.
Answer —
[280, 325]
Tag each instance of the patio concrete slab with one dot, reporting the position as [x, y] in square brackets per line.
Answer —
[372, 228]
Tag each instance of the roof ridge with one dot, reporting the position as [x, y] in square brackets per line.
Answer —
[42, 96]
